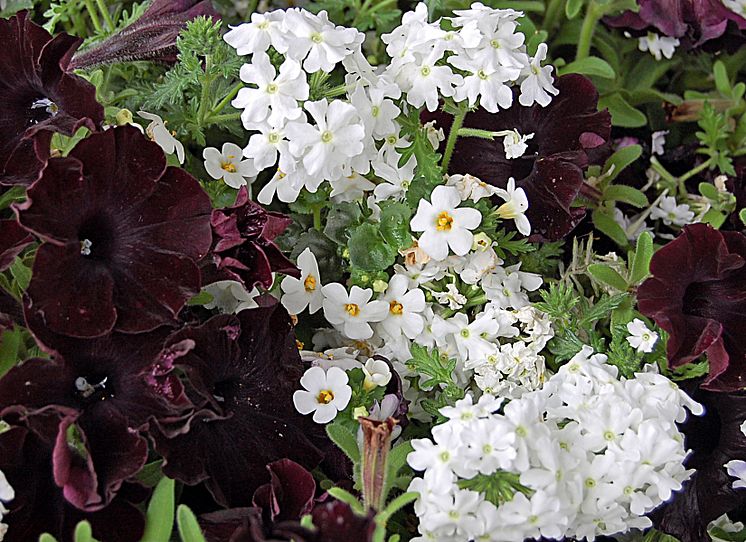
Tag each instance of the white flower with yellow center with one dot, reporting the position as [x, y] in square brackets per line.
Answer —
[405, 309]
[351, 313]
[514, 143]
[470, 187]
[641, 338]
[297, 294]
[537, 87]
[227, 164]
[325, 393]
[515, 206]
[230, 296]
[444, 225]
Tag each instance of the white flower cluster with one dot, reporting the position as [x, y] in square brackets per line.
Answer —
[352, 132]
[477, 62]
[737, 467]
[592, 453]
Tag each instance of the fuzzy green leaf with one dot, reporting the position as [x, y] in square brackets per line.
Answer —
[339, 221]
[395, 225]
[498, 487]
[607, 225]
[626, 194]
[572, 8]
[591, 65]
[345, 440]
[607, 275]
[620, 160]
[83, 532]
[347, 498]
[643, 254]
[368, 250]
[622, 113]
[189, 530]
[160, 515]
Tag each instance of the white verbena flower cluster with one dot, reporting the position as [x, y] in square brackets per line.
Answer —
[737, 467]
[352, 133]
[592, 453]
[7, 494]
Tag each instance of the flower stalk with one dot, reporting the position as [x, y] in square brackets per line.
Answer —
[376, 447]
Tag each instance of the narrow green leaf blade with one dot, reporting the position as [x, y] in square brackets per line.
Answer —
[641, 262]
[345, 440]
[620, 160]
[626, 194]
[604, 273]
[160, 515]
[189, 530]
[591, 65]
[606, 224]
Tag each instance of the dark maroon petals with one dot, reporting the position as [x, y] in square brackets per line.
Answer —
[35, 384]
[13, 239]
[569, 134]
[26, 458]
[697, 295]
[244, 248]
[243, 370]
[715, 439]
[71, 296]
[151, 37]
[122, 232]
[337, 522]
[39, 97]
[289, 495]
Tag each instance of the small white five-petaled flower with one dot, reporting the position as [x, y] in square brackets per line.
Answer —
[228, 165]
[444, 225]
[515, 206]
[305, 291]
[641, 338]
[325, 393]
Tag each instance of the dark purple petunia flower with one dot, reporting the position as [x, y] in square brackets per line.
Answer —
[244, 247]
[122, 234]
[698, 295]
[551, 170]
[106, 390]
[151, 37]
[38, 97]
[243, 372]
[39, 505]
[715, 440]
[693, 21]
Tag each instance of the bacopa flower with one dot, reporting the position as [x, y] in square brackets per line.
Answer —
[242, 373]
[244, 248]
[151, 37]
[697, 295]
[325, 393]
[121, 232]
[39, 97]
[550, 171]
[39, 506]
[693, 21]
[105, 391]
[299, 293]
[227, 164]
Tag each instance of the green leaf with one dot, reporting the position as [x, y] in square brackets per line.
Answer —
[654, 535]
[498, 487]
[339, 221]
[572, 8]
[397, 504]
[21, 273]
[16, 193]
[160, 515]
[607, 225]
[11, 341]
[347, 498]
[395, 225]
[396, 460]
[722, 83]
[189, 530]
[46, 537]
[641, 262]
[622, 113]
[345, 440]
[325, 250]
[709, 191]
[83, 532]
[151, 473]
[618, 161]
[607, 275]
[626, 194]
[714, 218]
[742, 215]
[602, 309]
[368, 250]
[591, 65]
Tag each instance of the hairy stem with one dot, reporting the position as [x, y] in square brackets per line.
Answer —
[458, 122]
[592, 16]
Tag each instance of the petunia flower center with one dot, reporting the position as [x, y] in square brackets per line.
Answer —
[96, 238]
[325, 397]
[396, 308]
[85, 247]
[93, 388]
[228, 166]
[352, 309]
[310, 283]
[444, 222]
[42, 109]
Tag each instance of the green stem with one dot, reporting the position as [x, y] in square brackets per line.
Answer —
[105, 12]
[204, 98]
[475, 132]
[458, 122]
[317, 216]
[592, 16]
[550, 16]
[224, 117]
[225, 101]
[93, 14]
[704, 165]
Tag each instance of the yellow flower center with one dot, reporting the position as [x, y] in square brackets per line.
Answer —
[325, 397]
[299, 344]
[228, 166]
[310, 283]
[352, 309]
[444, 222]
[395, 307]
